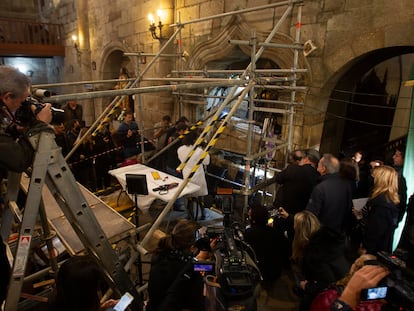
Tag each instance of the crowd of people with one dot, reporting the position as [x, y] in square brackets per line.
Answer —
[318, 233]
[326, 233]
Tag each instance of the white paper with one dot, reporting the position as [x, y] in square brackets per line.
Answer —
[359, 203]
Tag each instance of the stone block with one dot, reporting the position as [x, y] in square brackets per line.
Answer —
[367, 42]
[334, 5]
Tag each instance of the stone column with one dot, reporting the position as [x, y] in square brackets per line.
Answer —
[85, 58]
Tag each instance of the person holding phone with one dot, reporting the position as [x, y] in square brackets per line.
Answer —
[324, 299]
[367, 277]
[79, 285]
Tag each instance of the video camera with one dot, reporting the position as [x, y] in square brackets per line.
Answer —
[235, 269]
[25, 115]
[400, 283]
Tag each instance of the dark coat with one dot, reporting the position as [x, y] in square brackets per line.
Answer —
[173, 285]
[324, 262]
[130, 144]
[266, 244]
[331, 201]
[16, 154]
[381, 222]
[324, 259]
[297, 183]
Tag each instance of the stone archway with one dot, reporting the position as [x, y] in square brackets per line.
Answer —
[219, 47]
[113, 60]
[348, 110]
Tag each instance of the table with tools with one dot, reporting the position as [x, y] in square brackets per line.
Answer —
[160, 185]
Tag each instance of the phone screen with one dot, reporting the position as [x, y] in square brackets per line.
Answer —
[374, 293]
[204, 267]
[124, 302]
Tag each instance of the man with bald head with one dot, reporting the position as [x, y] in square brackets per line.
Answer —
[331, 198]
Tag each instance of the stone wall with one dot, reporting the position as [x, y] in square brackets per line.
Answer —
[342, 30]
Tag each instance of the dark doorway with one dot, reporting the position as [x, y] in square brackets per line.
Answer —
[362, 104]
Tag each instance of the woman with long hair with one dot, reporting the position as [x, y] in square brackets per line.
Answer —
[79, 286]
[380, 215]
[173, 284]
[305, 223]
[318, 253]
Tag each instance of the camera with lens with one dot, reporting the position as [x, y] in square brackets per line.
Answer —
[235, 270]
[399, 283]
[26, 115]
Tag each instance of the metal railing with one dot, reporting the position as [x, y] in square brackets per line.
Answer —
[24, 37]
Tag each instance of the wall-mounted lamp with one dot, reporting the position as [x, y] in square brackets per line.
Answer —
[76, 46]
[153, 27]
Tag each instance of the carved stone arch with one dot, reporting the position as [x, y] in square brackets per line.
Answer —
[111, 60]
[112, 55]
[238, 29]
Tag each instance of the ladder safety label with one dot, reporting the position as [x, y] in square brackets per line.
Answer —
[22, 255]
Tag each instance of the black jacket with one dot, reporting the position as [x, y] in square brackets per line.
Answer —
[297, 183]
[324, 262]
[331, 201]
[266, 244]
[173, 285]
[324, 259]
[16, 153]
[381, 222]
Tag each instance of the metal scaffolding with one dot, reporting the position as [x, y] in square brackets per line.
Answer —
[282, 79]
[241, 90]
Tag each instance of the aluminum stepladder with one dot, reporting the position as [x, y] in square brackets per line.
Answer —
[50, 168]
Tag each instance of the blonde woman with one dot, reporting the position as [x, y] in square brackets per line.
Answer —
[305, 223]
[319, 253]
[381, 212]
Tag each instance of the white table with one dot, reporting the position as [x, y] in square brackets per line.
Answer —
[145, 201]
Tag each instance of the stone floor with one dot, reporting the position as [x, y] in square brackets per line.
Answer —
[277, 297]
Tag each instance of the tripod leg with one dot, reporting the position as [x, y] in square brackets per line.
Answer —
[139, 258]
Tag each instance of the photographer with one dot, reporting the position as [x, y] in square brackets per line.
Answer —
[366, 277]
[16, 153]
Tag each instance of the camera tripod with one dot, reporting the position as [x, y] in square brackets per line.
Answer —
[49, 168]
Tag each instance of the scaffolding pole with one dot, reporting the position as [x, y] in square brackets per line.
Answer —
[193, 83]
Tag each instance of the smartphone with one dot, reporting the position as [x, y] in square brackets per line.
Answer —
[124, 302]
[374, 293]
